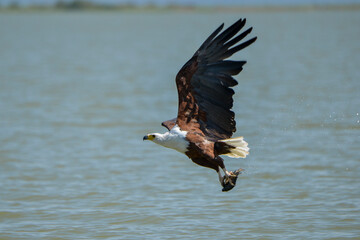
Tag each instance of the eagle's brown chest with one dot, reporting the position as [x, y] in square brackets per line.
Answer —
[199, 146]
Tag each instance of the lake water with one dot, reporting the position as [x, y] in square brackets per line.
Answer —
[78, 91]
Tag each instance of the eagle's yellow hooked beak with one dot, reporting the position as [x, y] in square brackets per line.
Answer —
[149, 137]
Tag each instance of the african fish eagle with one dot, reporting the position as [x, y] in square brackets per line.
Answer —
[205, 123]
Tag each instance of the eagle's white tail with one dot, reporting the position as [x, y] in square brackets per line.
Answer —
[239, 147]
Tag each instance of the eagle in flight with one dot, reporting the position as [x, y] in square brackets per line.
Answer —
[205, 123]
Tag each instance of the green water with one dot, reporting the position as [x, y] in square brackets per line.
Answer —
[78, 91]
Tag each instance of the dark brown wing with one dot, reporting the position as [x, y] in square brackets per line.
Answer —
[204, 84]
[169, 124]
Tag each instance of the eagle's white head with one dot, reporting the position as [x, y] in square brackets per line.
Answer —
[174, 139]
[152, 136]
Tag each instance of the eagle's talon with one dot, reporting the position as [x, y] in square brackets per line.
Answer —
[229, 182]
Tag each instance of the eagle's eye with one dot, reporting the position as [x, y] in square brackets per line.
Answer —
[149, 137]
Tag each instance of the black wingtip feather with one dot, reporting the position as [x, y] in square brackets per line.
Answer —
[229, 32]
[237, 48]
[211, 37]
[238, 38]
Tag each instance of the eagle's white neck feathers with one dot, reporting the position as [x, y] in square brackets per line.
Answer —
[174, 139]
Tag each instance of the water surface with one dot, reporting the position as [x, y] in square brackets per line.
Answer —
[79, 90]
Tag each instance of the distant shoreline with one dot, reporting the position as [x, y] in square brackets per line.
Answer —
[176, 8]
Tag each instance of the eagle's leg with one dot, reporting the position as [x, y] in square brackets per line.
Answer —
[221, 178]
[226, 179]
